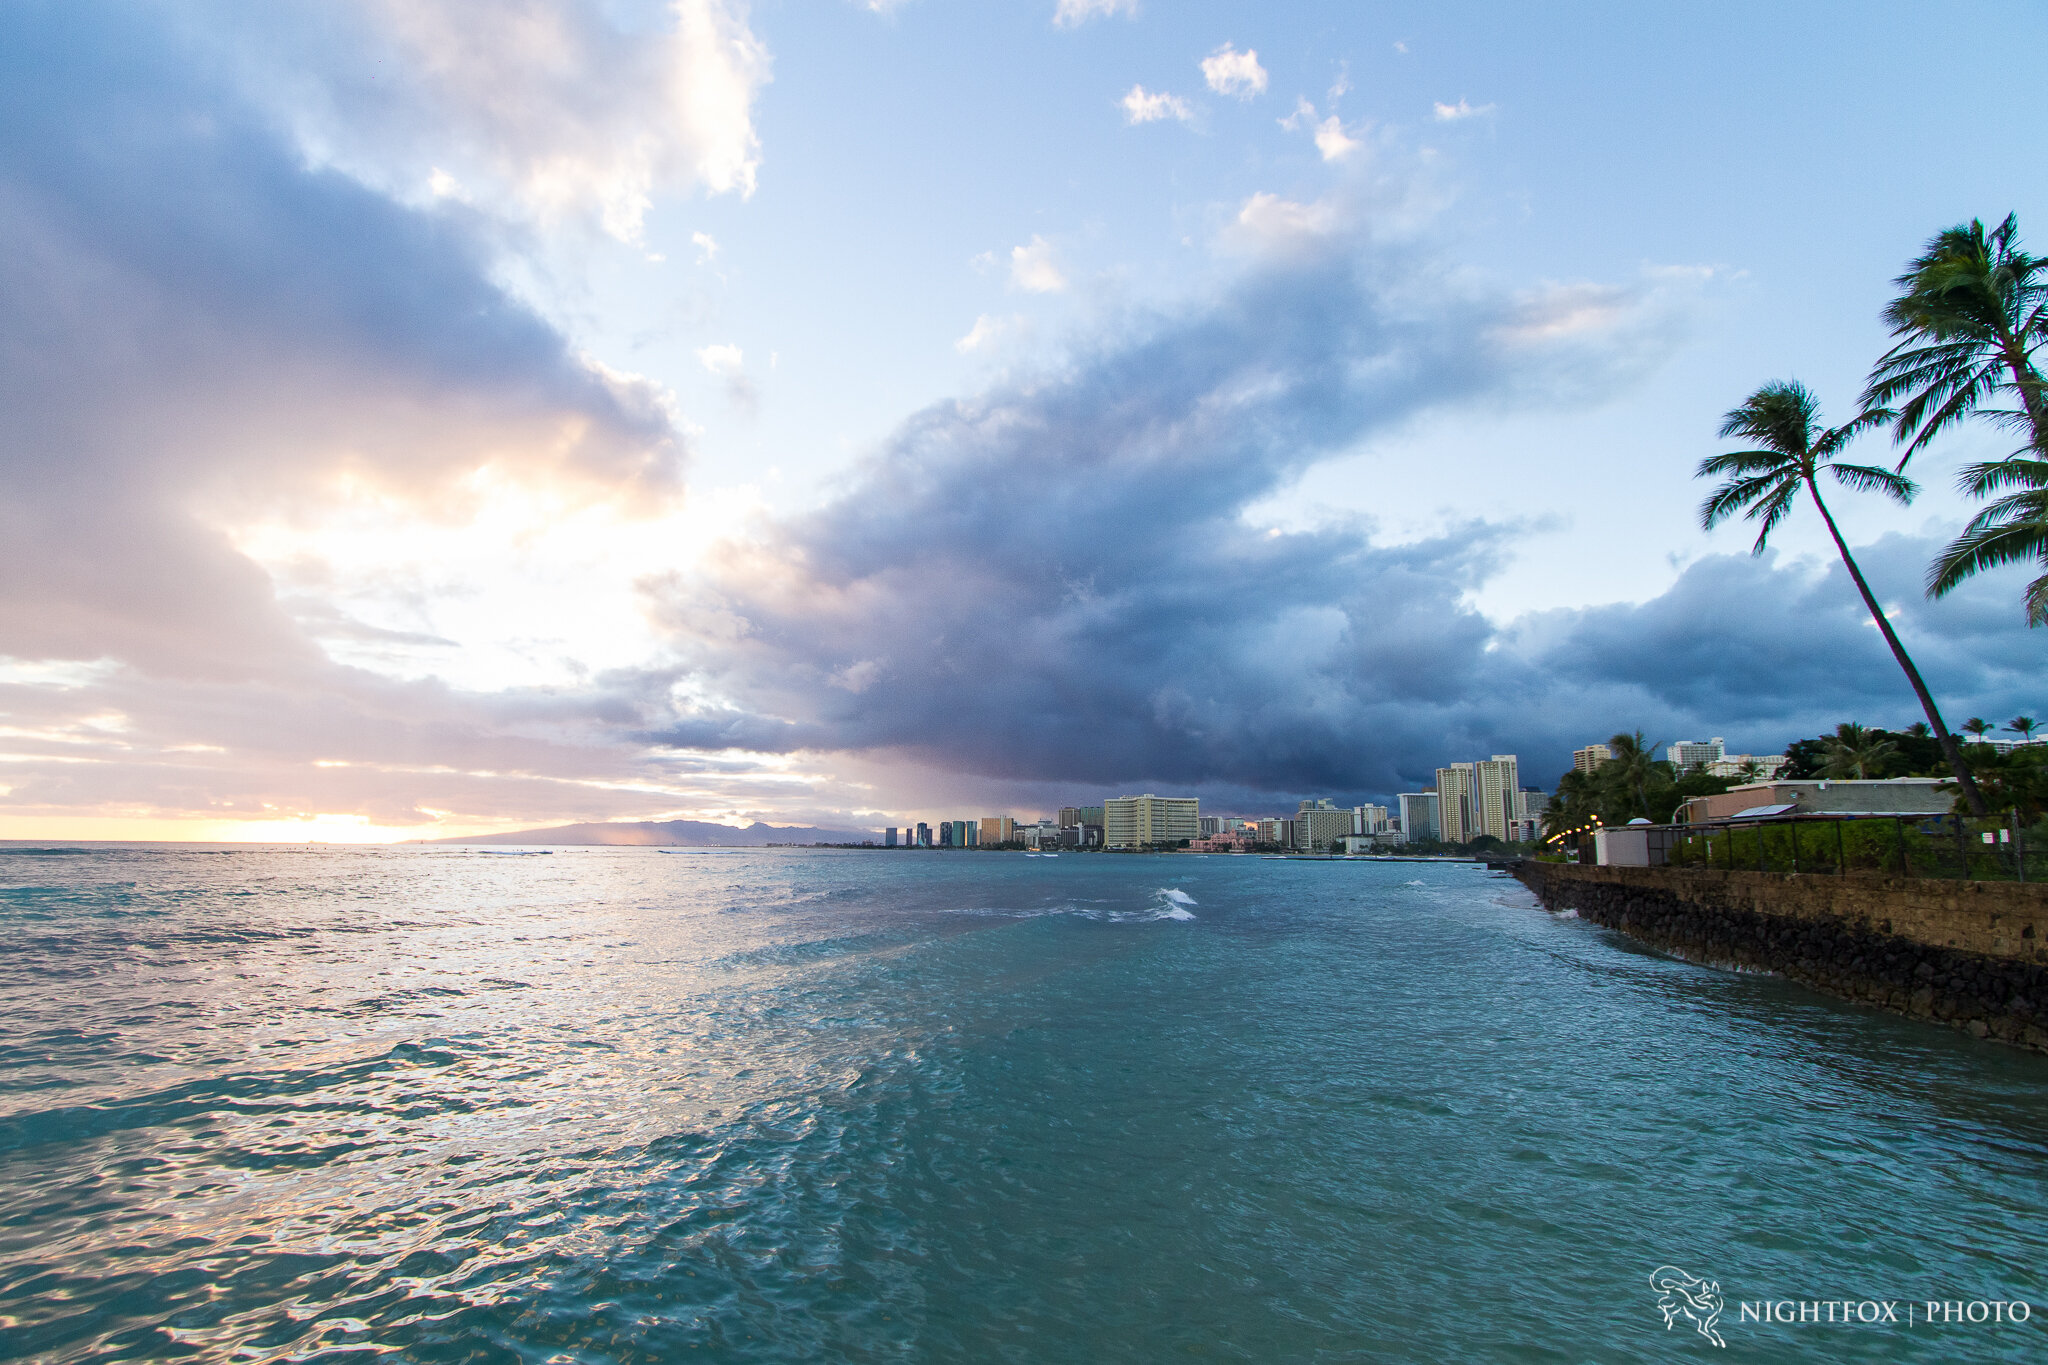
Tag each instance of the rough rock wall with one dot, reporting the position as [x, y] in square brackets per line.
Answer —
[1970, 954]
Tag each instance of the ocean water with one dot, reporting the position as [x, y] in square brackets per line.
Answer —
[619, 1105]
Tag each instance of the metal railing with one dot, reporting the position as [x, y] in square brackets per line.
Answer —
[1941, 846]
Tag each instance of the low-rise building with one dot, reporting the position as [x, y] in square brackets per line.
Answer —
[1768, 766]
[1913, 796]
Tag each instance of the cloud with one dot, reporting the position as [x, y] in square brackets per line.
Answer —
[1332, 141]
[1074, 13]
[1451, 113]
[728, 363]
[208, 330]
[707, 247]
[723, 361]
[988, 331]
[554, 109]
[1144, 106]
[1230, 72]
[1033, 269]
[1126, 622]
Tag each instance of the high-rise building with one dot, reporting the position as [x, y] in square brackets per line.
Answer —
[1589, 759]
[1073, 816]
[998, 829]
[1689, 753]
[1496, 797]
[889, 837]
[924, 835]
[945, 834]
[1148, 821]
[1418, 815]
[1455, 822]
[1212, 825]
[1321, 824]
[1371, 820]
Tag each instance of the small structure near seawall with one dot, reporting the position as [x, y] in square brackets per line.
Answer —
[1970, 954]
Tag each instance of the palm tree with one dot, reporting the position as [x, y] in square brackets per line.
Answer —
[1633, 765]
[1854, 752]
[1793, 450]
[2023, 726]
[1977, 726]
[2013, 528]
[1971, 310]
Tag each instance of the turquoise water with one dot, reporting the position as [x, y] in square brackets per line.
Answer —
[614, 1105]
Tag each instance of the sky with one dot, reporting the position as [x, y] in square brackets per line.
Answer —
[423, 419]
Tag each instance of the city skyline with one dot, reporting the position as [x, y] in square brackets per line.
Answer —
[644, 410]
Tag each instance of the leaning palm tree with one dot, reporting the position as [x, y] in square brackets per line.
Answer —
[1853, 751]
[1792, 451]
[2013, 528]
[1971, 310]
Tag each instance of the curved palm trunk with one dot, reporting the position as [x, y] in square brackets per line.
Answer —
[1949, 748]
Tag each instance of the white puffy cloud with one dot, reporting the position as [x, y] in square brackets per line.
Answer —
[1452, 113]
[1332, 141]
[721, 360]
[1230, 72]
[1033, 269]
[543, 109]
[1146, 106]
[1073, 13]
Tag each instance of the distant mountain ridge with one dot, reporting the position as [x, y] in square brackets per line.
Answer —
[669, 834]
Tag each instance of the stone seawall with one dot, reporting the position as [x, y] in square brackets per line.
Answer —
[1973, 955]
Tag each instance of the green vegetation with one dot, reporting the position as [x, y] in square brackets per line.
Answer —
[1633, 784]
[1944, 846]
[1792, 451]
[1971, 312]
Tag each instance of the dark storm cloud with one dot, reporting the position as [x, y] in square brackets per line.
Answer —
[1058, 580]
[1058, 583]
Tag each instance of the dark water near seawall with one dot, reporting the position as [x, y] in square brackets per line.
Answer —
[626, 1106]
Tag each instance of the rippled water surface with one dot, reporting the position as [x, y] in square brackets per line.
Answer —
[620, 1105]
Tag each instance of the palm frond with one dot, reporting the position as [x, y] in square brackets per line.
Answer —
[1870, 479]
[2037, 601]
[1736, 494]
[1988, 547]
[2015, 471]
[1743, 462]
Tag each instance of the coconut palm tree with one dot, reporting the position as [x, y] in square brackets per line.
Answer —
[1977, 726]
[1972, 308]
[2013, 528]
[1793, 450]
[2023, 726]
[1633, 765]
[1853, 751]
